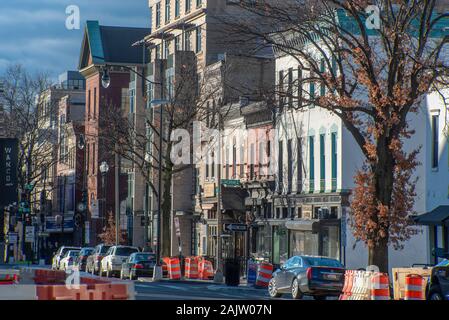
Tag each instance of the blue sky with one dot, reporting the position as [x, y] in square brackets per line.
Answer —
[33, 32]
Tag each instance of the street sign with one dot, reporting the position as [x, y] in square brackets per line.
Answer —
[230, 183]
[43, 234]
[13, 237]
[29, 234]
[236, 227]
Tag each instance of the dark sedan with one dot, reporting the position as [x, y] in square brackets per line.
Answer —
[319, 277]
[139, 264]
[81, 260]
[438, 286]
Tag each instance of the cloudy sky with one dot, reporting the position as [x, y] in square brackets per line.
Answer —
[33, 32]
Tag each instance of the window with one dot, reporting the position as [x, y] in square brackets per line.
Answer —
[199, 40]
[290, 88]
[158, 51]
[212, 166]
[131, 101]
[177, 8]
[334, 160]
[322, 70]
[281, 91]
[158, 15]
[299, 165]
[199, 3]
[188, 43]
[207, 170]
[167, 11]
[252, 160]
[312, 93]
[88, 104]
[435, 141]
[290, 165]
[95, 103]
[311, 164]
[299, 88]
[178, 43]
[322, 162]
[242, 164]
[188, 5]
[227, 164]
[280, 167]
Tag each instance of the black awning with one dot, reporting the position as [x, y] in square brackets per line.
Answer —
[233, 198]
[438, 216]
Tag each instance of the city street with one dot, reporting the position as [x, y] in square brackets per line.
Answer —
[184, 290]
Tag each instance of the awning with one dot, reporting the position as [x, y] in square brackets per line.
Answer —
[438, 216]
[233, 198]
[303, 225]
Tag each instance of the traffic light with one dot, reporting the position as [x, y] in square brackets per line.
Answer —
[78, 220]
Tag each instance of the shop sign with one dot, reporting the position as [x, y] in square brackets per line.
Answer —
[209, 190]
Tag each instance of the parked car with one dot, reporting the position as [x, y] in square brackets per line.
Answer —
[111, 264]
[58, 255]
[81, 260]
[93, 263]
[438, 286]
[68, 260]
[319, 277]
[139, 264]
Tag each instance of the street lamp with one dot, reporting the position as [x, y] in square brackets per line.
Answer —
[106, 81]
[105, 78]
[104, 169]
[82, 206]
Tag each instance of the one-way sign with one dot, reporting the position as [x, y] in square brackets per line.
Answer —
[236, 227]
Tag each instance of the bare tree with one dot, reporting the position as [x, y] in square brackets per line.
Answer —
[31, 119]
[373, 74]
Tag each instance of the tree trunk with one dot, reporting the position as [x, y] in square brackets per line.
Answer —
[384, 179]
[378, 256]
[166, 214]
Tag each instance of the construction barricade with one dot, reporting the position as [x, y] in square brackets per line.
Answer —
[264, 274]
[191, 268]
[413, 287]
[9, 279]
[365, 285]
[347, 287]
[205, 269]
[165, 263]
[174, 269]
[400, 280]
[380, 286]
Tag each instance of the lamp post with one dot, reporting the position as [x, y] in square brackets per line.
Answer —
[106, 81]
[104, 169]
[82, 206]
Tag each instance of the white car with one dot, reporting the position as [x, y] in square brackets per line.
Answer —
[58, 255]
[69, 259]
[114, 258]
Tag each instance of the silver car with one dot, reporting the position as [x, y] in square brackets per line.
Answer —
[115, 257]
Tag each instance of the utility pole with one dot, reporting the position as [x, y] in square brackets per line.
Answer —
[117, 199]
[218, 277]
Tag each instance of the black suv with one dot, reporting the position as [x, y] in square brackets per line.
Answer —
[438, 286]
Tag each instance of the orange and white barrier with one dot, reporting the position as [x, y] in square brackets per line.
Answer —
[191, 268]
[347, 288]
[174, 269]
[205, 269]
[414, 287]
[264, 273]
[380, 289]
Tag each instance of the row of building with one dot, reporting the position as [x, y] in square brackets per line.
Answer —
[302, 206]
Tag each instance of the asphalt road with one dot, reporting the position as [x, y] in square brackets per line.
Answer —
[182, 290]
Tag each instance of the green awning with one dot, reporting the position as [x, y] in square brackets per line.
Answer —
[438, 216]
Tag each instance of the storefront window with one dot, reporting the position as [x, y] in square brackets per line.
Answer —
[304, 243]
[263, 244]
[330, 244]
[280, 244]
